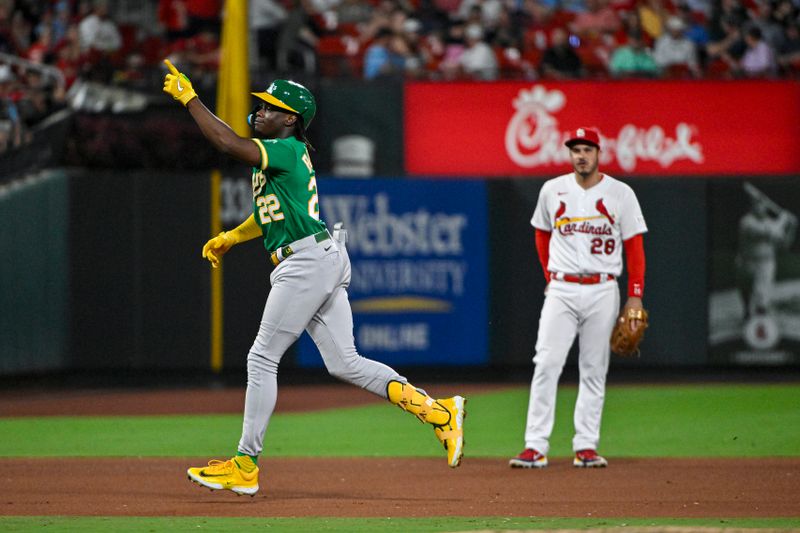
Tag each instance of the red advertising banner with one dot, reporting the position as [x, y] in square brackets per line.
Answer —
[649, 128]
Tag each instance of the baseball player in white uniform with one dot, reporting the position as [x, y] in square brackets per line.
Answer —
[583, 221]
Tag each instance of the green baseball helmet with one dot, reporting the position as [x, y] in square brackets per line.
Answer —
[291, 96]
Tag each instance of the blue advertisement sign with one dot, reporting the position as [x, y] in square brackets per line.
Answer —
[419, 288]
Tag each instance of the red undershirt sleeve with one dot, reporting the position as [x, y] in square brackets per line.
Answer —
[634, 260]
[543, 249]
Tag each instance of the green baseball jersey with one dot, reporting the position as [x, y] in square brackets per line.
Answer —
[285, 200]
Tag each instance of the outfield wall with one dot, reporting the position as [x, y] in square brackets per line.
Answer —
[34, 273]
[104, 268]
[112, 277]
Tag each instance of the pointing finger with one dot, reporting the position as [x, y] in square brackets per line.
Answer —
[171, 67]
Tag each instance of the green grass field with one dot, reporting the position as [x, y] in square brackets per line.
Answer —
[648, 421]
[371, 525]
[639, 421]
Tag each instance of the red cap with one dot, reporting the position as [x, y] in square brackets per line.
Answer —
[584, 135]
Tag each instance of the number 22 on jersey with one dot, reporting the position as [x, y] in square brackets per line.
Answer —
[269, 206]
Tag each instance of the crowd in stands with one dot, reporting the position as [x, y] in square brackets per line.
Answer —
[98, 40]
[89, 40]
[560, 39]
[44, 48]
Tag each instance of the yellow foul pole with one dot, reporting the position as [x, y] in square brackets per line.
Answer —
[233, 97]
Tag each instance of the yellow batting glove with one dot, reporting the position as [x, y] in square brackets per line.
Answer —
[178, 85]
[217, 247]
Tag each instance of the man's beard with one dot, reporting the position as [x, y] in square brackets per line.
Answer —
[586, 173]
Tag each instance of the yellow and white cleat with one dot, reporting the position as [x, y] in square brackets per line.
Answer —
[451, 433]
[226, 475]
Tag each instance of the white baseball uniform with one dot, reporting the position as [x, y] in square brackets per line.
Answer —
[587, 228]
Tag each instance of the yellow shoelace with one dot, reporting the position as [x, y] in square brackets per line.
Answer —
[220, 467]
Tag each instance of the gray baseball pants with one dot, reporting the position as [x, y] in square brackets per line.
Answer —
[308, 293]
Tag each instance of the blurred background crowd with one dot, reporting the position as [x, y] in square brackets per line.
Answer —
[48, 45]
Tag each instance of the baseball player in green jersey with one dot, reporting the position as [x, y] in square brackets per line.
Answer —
[309, 282]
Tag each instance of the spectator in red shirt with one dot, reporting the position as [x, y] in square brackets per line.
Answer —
[174, 18]
[204, 15]
[69, 59]
[598, 18]
[198, 56]
[40, 50]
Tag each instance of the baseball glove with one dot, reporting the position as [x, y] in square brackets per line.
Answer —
[624, 340]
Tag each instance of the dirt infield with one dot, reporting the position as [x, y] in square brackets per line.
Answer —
[406, 488]
[359, 487]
